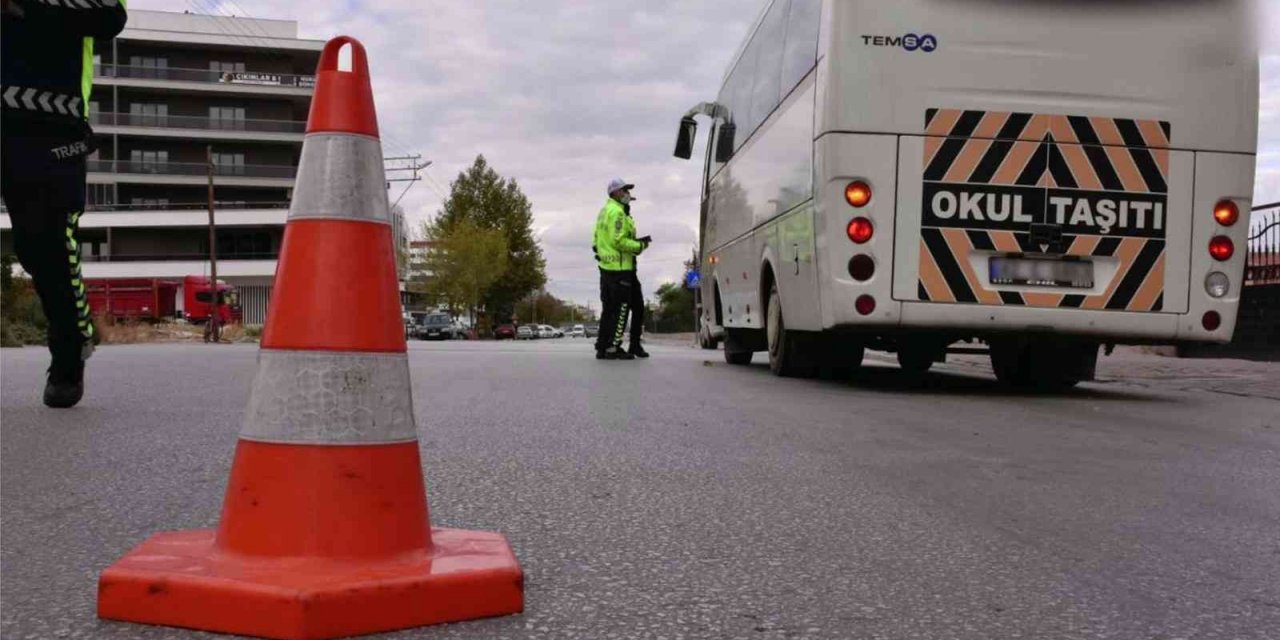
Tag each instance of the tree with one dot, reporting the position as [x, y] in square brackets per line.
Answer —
[675, 308]
[487, 200]
[464, 261]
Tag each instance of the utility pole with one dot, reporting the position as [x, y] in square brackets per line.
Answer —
[212, 333]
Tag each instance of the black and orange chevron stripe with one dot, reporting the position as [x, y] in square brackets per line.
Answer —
[1070, 188]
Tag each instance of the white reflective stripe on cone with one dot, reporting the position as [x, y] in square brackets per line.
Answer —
[340, 175]
[328, 397]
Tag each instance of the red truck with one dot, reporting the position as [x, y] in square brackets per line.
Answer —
[197, 301]
[134, 298]
[154, 299]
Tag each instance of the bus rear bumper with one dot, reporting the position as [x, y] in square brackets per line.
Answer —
[1105, 326]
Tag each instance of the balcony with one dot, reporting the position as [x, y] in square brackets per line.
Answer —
[173, 78]
[176, 215]
[197, 127]
[189, 173]
[181, 257]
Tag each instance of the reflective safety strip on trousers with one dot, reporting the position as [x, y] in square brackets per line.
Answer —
[340, 175]
[77, 281]
[323, 397]
[38, 100]
[622, 324]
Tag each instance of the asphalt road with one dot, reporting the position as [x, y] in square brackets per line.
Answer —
[683, 498]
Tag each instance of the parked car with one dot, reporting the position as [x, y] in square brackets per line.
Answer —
[548, 331]
[590, 330]
[578, 331]
[504, 332]
[525, 332]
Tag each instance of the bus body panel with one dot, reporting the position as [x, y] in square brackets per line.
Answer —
[841, 158]
[1218, 176]
[1190, 63]
[1167, 79]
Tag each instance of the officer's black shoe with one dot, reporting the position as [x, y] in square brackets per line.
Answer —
[638, 351]
[65, 385]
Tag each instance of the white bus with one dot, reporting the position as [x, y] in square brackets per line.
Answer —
[1030, 178]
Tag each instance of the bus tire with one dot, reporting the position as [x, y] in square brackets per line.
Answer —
[735, 351]
[705, 340]
[789, 355]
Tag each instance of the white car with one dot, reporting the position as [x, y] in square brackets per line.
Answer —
[548, 331]
[578, 331]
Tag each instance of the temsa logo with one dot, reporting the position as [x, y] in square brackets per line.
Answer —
[910, 41]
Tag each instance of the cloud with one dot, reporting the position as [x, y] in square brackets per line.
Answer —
[565, 95]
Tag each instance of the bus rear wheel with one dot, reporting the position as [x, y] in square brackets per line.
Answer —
[789, 352]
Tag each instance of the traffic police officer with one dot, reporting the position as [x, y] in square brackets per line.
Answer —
[46, 74]
[616, 247]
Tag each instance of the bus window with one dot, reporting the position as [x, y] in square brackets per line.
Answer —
[768, 44]
[801, 50]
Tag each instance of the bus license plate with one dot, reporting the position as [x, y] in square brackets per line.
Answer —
[1076, 274]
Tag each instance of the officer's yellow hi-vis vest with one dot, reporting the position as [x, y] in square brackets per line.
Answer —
[615, 238]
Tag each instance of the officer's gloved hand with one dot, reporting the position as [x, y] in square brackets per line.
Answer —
[595, 253]
[646, 240]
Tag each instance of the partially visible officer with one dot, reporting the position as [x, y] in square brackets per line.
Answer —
[46, 74]
[616, 247]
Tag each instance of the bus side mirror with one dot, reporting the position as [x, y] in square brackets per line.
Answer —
[724, 142]
[684, 139]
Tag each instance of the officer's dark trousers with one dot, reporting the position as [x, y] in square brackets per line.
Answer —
[615, 301]
[44, 195]
[635, 302]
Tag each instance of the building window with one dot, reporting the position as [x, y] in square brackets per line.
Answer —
[149, 67]
[148, 161]
[142, 114]
[99, 196]
[149, 203]
[226, 67]
[226, 118]
[229, 164]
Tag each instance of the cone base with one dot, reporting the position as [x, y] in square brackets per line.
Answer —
[181, 579]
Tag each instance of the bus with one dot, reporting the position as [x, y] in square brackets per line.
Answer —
[1031, 179]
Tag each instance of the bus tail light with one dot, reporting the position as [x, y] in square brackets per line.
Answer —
[1221, 248]
[1211, 321]
[1226, 213]
[865, 305]
[862, 267]
[860, 230]
[857, 193]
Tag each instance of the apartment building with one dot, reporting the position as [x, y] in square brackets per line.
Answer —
[171, 92]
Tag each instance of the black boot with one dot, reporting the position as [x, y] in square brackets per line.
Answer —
[614, 353]
[638, 351]
[65, 385]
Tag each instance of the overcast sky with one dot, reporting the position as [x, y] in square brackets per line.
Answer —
[564, 95]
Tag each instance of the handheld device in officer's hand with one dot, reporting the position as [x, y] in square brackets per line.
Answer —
[646, 239]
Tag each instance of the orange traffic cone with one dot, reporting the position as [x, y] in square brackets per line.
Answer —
[324, 529]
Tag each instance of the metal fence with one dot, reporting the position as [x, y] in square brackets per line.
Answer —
[160, 167]
[205, 75]
[1262, 255]
[179, 257]
[196, 122]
